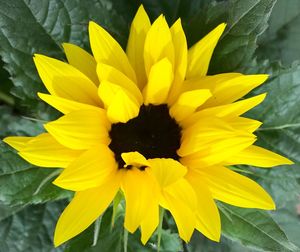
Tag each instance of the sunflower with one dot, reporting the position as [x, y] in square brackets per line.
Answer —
[150, 124]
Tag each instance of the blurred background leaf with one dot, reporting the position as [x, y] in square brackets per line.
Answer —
[282, 39]
[31, 229]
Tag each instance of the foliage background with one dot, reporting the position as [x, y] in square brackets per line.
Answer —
[263, 36]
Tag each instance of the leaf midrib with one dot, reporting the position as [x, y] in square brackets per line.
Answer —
[262, 231]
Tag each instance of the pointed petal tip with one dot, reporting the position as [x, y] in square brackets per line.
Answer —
[92, 26]
[221, 27]
[66, 45]
[56, 182]
[41, 95]
[261, 77]
[262, 97]
[37, 56]
[141, 8]
[131, 229]
[6, 140]
[144, 241]
[266, 76]
[270, 205]
[57, 240]
[16, 142]
[216, 238]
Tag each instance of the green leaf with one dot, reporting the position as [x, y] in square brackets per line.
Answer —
[6, 210]
[200, 243]
[11, 124]
[22, 183]
[283, 183]
[155, 8]
[247, 19]
[280, 110]
[45, 25]
[281, 40]
[199, 17]
[31, 229]
[289, 221]
[5, 86]
[254, 228]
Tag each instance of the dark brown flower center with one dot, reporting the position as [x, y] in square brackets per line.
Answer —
[153, 133]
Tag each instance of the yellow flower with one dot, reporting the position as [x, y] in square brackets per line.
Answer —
[151, 124]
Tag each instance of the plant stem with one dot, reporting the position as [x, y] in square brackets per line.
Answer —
[97, 230]
[159, 230]
[125, 239]
[7, 99]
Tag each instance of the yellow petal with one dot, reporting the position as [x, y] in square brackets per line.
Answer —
[208, 218]
[139, 187]
[108, 73]
[89, 170]
[235, 189]
[166, 170]
[181, 201]
[257, 156]
[244, 124]
[134, 158]
[122, 108]
[107, 50]
[84, 209]
[202, 133]
[239, 86]
[158, 44]
[135, 46]
[48, 68]
[180, 65]
[228, 111]
[17, 142]
[149, 223]
[206, 135]
[121, 105]
[43, 150]
[64, 105]
[188, 102]
[76, 89]
[240, 107]
[216, 152]
[159, 83]
[210, 81]
[82, 60]
[199, 55]
[73, 132]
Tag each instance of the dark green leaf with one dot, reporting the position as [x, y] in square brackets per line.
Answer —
[254, 228]
[5, 86]
[283, 183]
[6, 210]
[31, 229]
[288, 219]
[45, 25]
[155, 8]
[247, 19]
[200, 243]
[282, 38]
[14, 124]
